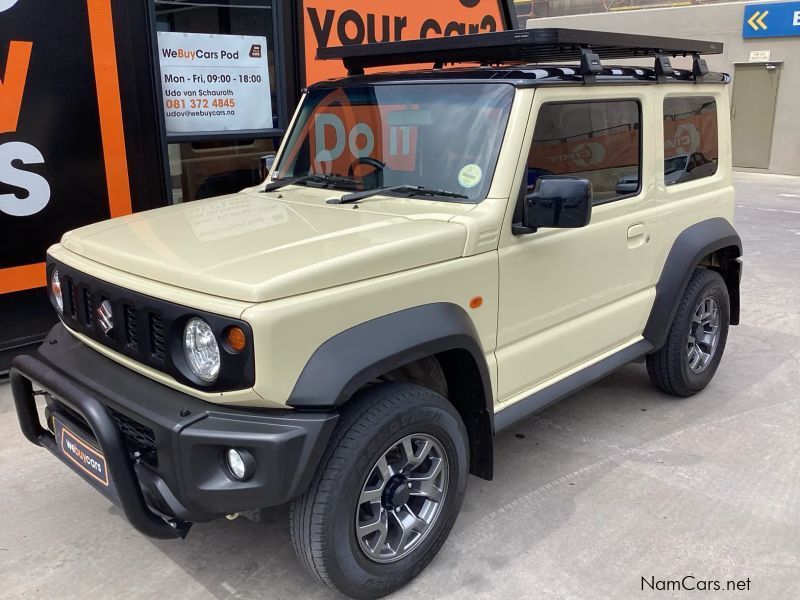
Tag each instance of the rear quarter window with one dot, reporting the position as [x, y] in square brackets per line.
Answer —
[691, 138]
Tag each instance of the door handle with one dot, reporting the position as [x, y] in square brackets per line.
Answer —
[635, 231]
[637, 236]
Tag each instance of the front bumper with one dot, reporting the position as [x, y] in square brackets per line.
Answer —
[165, 449]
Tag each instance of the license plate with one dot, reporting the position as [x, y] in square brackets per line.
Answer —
[82, 455]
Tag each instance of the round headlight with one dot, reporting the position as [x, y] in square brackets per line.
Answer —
[201, 350]
[55, 290]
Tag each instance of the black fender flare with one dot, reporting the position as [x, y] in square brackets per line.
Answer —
[354, 357]
[694, 243]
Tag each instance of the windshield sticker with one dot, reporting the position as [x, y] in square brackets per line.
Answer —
[469, 176]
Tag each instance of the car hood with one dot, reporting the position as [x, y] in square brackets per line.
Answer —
[253, 247]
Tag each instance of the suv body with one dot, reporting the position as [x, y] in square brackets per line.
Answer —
[460, 314]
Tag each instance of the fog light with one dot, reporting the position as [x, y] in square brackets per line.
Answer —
[241, 464]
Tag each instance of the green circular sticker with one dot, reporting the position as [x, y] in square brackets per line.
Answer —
[470, 175]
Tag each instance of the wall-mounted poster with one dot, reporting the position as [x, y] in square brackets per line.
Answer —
[214, 83]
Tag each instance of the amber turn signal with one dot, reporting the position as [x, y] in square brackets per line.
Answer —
[235, 339]
[476, 302]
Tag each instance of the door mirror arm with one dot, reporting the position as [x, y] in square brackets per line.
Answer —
[520, 229]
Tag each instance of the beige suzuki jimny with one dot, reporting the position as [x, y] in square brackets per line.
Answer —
[436, 254]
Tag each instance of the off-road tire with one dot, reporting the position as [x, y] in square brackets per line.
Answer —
[668, 368]
[322, 521]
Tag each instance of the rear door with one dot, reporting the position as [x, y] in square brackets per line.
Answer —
[567, 296]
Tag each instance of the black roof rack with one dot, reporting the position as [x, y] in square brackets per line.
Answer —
[542, 45]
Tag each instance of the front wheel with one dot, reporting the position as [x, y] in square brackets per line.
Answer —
[386, 493]
[687, 362]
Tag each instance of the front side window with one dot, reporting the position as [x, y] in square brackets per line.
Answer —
[691, 142]
[438, 136]
[598, 140]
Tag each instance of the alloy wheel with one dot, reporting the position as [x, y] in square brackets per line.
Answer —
[401, 498]
[704, 335]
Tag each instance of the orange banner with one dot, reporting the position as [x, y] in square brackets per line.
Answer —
[695, 133]
[686, 135]
[329, 23]
[587, 154]
[17, 279]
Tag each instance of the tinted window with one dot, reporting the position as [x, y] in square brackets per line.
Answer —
[691, 146]
[599, 141]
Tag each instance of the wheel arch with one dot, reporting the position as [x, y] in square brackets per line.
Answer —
[353, 358]
[712, 243]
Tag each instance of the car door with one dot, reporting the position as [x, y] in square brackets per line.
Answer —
[569, 296]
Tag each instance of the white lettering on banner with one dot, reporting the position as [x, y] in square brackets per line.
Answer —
[361, 129]
[34, 184]
[6, 4]
[796, 19]
[360, 140]
[406, 140]
[357, 149]
[214, 83]
[321, 122]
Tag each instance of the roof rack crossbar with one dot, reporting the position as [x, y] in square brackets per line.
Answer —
[522, 46]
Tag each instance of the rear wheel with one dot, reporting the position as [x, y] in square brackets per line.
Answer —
[687, 362]
[386, 493]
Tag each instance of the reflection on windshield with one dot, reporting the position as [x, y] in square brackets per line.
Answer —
[438, 136]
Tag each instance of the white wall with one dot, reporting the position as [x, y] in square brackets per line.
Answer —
[723, 23]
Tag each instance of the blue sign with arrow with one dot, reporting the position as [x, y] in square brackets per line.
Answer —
[771, 19]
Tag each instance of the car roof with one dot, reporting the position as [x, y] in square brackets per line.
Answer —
[524, 75]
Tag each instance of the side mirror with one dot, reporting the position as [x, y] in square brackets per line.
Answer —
[562, 202]
[265, 164]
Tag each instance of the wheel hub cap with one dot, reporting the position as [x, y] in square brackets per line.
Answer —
[703, 335]
[397, 493]
[401, 498]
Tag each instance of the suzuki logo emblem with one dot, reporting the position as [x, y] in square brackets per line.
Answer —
[105, 316]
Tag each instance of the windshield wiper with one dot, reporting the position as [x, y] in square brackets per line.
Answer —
[327, 179]
[410, 190]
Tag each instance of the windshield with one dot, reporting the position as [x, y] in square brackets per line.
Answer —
[676, 163]
[437, 136]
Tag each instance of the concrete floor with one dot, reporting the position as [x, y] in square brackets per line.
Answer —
[612, 485]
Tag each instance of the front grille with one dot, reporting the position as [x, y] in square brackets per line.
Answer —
[139, 328]
[140, 440]
[158, 344]
[73, 297]
[147, 329]
[88, 311]
[131, 327]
